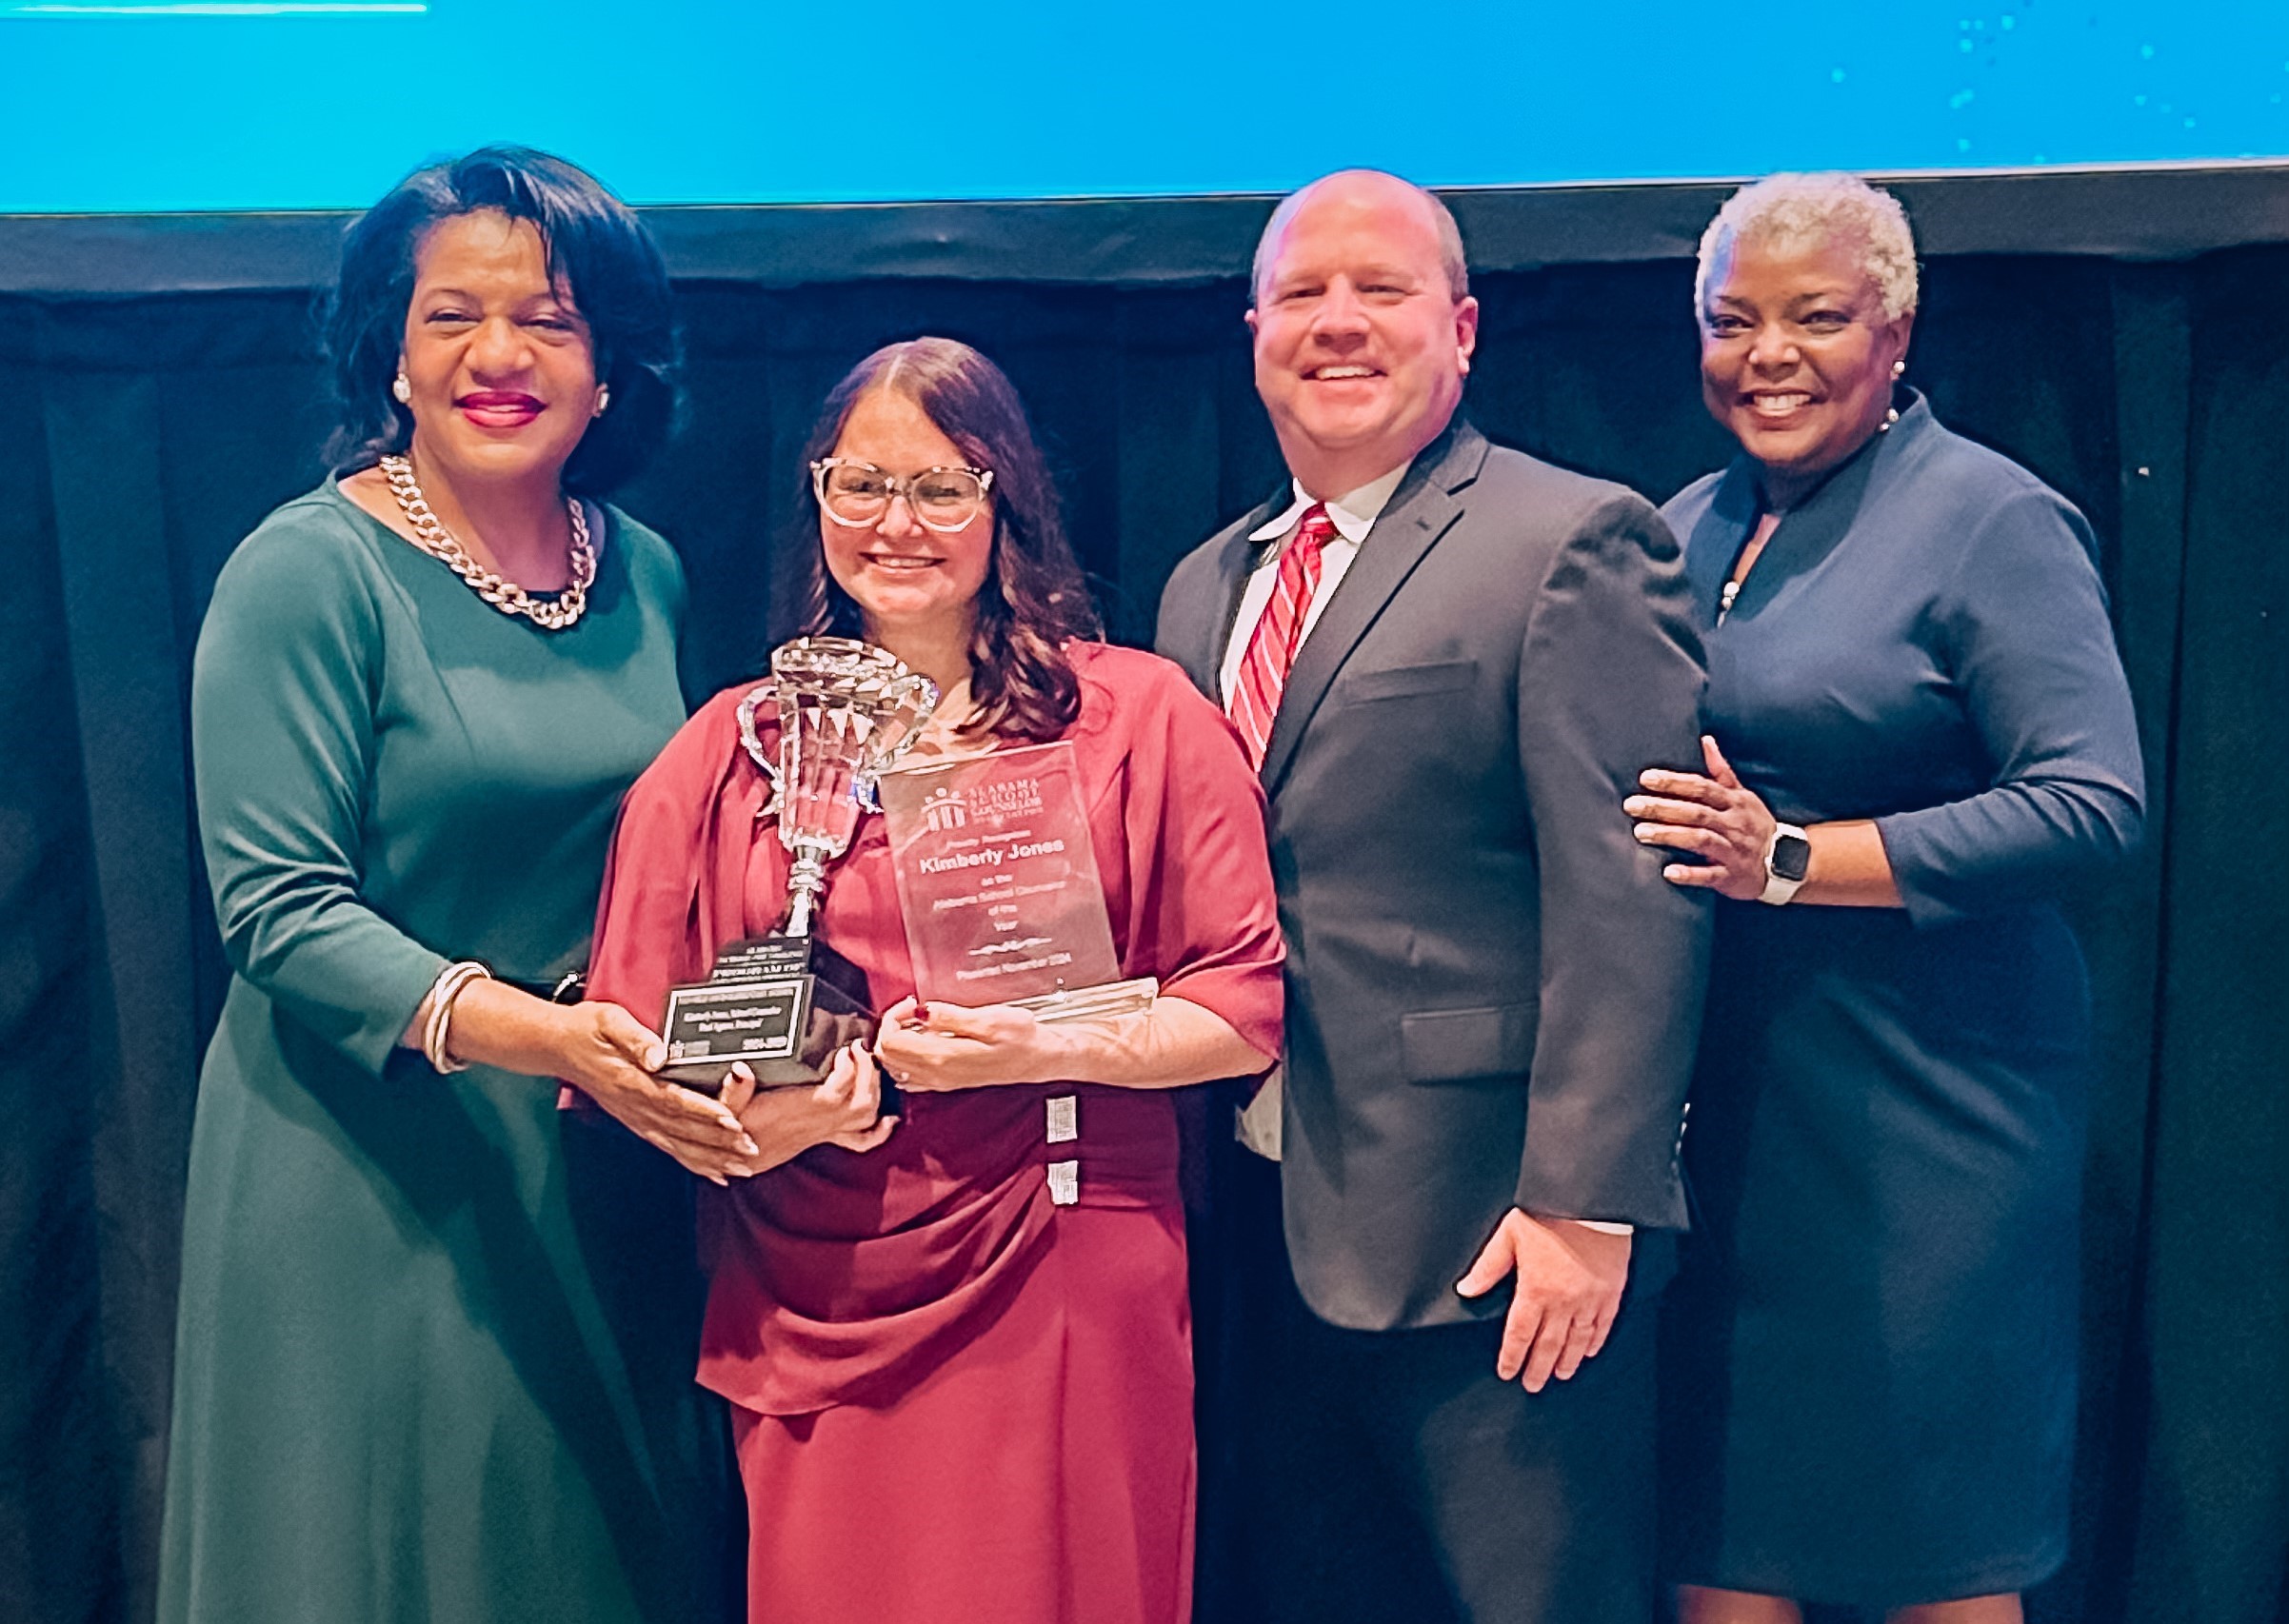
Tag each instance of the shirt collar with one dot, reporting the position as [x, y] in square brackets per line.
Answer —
[1354, 512]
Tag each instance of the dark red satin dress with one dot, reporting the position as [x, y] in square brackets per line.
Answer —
[956, 1400]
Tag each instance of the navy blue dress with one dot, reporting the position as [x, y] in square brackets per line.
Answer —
[1870, 1380]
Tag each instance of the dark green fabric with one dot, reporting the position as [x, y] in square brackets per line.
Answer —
[435, 1335]
[140, 439]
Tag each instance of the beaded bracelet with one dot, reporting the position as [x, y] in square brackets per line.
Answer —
[448, 986]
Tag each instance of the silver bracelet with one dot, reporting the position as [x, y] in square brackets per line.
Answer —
[450, 982]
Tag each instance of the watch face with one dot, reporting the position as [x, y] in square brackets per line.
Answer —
[1791, 856]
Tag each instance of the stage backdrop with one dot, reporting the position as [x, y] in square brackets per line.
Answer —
[159, 393]
[312, 104]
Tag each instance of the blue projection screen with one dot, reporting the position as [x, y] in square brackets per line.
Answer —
[137, 105]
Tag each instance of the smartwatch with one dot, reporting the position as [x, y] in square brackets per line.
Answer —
[1787, 862]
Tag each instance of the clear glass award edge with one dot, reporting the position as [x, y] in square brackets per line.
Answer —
[1093, 1003]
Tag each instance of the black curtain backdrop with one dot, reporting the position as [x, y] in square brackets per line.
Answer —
[143, 431]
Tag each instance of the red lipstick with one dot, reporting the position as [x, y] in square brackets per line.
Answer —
[499, 409]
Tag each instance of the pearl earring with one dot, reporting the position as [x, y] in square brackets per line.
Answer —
[1898, 367]
[403, 388]
[604, 398]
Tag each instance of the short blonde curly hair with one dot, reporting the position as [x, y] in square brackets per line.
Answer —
[1804, 211]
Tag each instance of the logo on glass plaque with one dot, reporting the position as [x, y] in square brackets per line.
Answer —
[999, 886]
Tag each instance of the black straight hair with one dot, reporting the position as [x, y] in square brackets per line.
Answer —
[596, 250]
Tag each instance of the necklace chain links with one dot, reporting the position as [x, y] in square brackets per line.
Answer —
[430, 535]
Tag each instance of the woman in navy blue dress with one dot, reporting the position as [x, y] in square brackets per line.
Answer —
[1920, 738]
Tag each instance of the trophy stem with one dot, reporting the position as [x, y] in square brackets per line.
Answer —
[805, 882]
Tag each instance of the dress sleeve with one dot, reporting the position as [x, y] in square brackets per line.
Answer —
[1204, 918]
[2026, 637]
[284, 689]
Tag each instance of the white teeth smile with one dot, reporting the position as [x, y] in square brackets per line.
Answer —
[1778, 406]
[1324, 373]
[881, 563]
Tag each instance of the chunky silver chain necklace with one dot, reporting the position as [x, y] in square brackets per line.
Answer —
[430, 535]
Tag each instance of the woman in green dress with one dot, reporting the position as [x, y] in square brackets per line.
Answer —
[436, 1346]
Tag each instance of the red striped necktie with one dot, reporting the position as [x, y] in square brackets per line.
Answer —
[1271, 652]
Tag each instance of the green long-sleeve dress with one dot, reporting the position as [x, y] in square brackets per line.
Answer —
[436, 1346]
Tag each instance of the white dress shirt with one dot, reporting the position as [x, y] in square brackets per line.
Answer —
[1353, 514]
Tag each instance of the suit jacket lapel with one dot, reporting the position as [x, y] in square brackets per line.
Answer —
[1208, 629]
[1418, 512]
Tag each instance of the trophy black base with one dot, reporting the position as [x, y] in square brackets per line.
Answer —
[782, 1005]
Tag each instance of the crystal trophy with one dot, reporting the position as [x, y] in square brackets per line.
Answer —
[784, 1003]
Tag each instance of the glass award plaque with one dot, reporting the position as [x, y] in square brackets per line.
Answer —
[785, 1004]
[998, 882]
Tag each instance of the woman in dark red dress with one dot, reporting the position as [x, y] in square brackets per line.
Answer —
[961, 1386]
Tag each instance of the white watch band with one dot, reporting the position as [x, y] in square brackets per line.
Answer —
[1777, 890]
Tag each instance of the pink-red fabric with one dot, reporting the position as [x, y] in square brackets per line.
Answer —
[1045, 1473]
[864, 1310]
[1254, 702]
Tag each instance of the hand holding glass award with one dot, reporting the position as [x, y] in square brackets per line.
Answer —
[996, 878]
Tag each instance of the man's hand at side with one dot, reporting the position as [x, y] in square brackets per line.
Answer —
[1570, 1279]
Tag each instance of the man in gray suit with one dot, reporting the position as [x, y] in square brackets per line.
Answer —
[1452, 661]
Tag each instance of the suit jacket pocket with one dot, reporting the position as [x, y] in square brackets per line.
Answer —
[1397, 682]
[1447, 1045]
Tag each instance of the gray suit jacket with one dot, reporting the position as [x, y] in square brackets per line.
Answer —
[1493, 997]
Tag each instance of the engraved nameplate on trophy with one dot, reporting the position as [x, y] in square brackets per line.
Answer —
[781, 1005]
[784, 1003]
[998, 883]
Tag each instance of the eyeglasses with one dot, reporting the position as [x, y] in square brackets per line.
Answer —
[858, 493]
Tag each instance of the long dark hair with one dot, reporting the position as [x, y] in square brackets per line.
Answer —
[1034, 597]
[605, 257]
